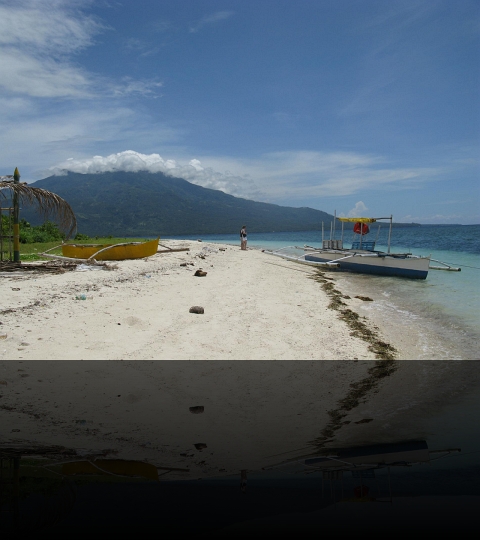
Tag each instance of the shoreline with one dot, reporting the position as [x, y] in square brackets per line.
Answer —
[255, 308]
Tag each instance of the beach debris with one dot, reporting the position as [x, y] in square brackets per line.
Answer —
[56, 267]
[81, 297]
[224, 249]
[15, 288]
[3, 336]
[200, 446]
[196, 309]
[183, 264]
[201, 256]
[200, 273]
[197, 409]
[199, 240]
[365, 298]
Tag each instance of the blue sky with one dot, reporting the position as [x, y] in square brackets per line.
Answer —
[358, 106]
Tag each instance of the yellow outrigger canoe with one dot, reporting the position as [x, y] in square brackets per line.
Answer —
[111, 252]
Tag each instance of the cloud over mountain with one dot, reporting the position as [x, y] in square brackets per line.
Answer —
[131, 161]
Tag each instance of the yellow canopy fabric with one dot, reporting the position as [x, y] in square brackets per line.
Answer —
[358, 219]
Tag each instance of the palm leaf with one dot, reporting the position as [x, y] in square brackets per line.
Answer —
[49, 205]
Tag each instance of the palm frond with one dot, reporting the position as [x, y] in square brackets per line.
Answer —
[48, 204]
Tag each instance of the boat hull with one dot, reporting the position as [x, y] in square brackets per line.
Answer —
[380, 265]
[116, 253]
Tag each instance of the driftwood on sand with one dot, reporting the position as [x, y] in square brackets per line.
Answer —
[171, 250]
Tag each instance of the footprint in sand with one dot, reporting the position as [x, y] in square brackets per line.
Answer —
[137, 323]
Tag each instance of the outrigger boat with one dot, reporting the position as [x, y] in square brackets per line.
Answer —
[362, 257]
[111, 252]
[91, 253]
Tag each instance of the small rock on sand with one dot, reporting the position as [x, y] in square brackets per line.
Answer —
[197, 309]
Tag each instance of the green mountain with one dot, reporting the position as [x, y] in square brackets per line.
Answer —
[129, 204]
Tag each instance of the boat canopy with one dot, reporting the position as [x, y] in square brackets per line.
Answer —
[358, 219]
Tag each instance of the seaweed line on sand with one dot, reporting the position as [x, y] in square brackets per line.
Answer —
[382, 350]
[356, 395]
[384, 367]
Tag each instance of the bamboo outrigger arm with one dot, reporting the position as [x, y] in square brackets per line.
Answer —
[301, 260]
[445, 267]
[62, 258]
[92, 257]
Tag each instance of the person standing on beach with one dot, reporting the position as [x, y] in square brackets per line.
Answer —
[243, 237]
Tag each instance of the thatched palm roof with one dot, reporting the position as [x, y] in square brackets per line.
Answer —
[47, 204]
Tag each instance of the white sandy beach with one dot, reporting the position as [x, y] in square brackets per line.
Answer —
[256, 307]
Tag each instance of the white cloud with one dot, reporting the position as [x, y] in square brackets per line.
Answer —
[38, 39]
[130, 86]
[132, 161]
[359, 210]
[211, 19]
[54, 26]
[309, 175]
[274, 177]
[24, 74]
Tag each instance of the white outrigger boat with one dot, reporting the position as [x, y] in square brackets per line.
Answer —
[361, 257]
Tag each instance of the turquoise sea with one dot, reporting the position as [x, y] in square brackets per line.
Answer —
[445, 306]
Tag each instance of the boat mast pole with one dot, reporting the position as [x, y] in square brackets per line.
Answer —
[322, 234]
[342, 234]
[389, 233]
[334, 222]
